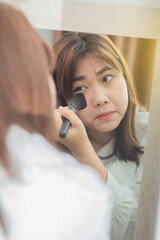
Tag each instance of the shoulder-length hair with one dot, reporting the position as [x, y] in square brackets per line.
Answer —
[73, 46]
[25, 65]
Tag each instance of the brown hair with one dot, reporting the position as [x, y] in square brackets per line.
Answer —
[25, 65]
[73, 46]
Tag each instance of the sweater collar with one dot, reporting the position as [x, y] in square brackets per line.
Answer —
[107, 149]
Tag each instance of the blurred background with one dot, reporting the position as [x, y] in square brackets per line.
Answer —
[139, 54]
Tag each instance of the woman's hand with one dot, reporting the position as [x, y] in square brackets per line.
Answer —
[76, 135]
[77, 140]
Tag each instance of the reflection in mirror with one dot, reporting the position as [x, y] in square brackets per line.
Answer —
[139, 54]
[115, 128]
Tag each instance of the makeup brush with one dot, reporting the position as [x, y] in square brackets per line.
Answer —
[77, 102]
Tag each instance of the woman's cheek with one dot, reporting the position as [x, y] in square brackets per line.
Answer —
[83, 114]
[125, 92]
[122, 88]
[124, 96]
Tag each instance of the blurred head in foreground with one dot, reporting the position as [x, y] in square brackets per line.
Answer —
[27, 92]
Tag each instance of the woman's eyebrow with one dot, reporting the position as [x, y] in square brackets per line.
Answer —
[104, 70]
[79, 78]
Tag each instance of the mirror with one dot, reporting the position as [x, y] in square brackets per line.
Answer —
[140, 55]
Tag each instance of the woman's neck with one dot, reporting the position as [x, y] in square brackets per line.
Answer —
[98, 139]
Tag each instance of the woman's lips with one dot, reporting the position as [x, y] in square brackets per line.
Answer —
[105, 116]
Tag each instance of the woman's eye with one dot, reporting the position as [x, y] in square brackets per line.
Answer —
[78, 89]
[107, 78]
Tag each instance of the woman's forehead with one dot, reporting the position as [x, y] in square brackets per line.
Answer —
[93, 61]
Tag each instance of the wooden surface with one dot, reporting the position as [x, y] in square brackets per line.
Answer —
[146, 219]
[119, 20]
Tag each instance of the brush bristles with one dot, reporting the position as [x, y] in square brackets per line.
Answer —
[77, 102]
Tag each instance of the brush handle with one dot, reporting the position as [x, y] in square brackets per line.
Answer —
[77, 102]
[64, 128]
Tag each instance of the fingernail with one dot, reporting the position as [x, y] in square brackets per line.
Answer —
[61, 109]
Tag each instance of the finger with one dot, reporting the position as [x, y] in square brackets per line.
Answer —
[57, 114]
[70, 115]
[58, 119]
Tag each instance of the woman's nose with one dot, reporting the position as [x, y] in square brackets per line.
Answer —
[100, 96]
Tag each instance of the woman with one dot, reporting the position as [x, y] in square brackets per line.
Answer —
[43, 193]
[109, 134]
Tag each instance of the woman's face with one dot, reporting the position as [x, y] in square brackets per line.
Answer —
[106, 94]
[52, 91]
